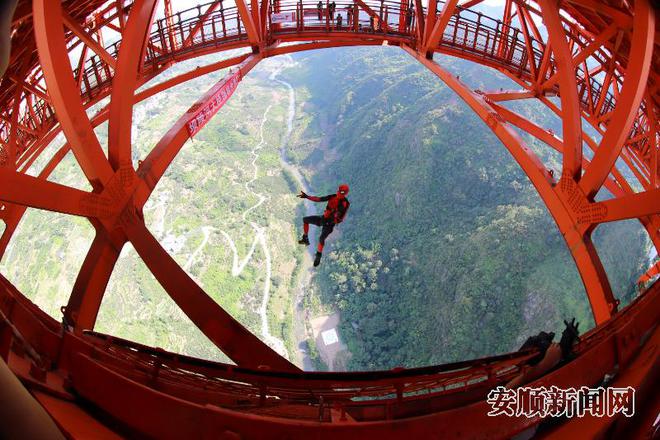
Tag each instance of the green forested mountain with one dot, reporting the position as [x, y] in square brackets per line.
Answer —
[447, 253]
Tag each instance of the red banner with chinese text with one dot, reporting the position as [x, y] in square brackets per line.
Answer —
[206, 111]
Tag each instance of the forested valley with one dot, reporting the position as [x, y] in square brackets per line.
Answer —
[447, 253]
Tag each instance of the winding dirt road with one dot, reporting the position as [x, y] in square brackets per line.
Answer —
[259, 239]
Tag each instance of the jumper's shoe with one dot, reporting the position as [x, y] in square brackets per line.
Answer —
[304, 240]
[317, 259]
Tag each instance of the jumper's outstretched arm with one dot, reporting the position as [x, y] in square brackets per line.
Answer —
[303, 195]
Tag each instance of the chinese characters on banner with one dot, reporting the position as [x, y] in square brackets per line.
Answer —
[203, 114]
[282, 17]
[557, 402]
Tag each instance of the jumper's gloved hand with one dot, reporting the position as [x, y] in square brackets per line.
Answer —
[302, 195]
[569, 337]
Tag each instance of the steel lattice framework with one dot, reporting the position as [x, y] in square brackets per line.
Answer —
[599, 57]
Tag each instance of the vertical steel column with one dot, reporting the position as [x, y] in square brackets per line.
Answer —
[54, 57]
[124, 83]
[628, 102]
[570, 104]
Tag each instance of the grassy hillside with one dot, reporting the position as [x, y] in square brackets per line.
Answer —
[201, 197]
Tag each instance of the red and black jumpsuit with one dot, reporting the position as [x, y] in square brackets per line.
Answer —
[334, 213]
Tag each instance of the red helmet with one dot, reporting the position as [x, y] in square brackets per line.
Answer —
[343, 189]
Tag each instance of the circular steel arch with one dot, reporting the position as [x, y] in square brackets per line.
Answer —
[607, 50]
[599, 58]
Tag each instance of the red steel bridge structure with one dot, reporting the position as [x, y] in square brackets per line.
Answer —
[593, 63]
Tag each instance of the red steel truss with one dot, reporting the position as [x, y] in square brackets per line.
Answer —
[595, 64]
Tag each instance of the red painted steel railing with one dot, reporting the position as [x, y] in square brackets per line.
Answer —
[469, 34]
[364, 396]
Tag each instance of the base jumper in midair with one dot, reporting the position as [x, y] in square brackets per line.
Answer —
[334, 213]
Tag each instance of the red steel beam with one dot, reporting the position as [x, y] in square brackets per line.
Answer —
[309, 46]
[626, 152]
[633, 165]
[87, 321]
[528, 18]
[510, 95]
[256, 18]
[211, 319]
[200, 24]
[15, 212]
[600, 40]
[366, 8]
[548, 138]
[169, 19]
[531, 61]
[629, 100]
[88, 290]
[26, 190]
[440, 25]
[588, 85]
[544, 66]
[92, 280]
[590, 142]
[49, 35]
[280, 50]
[506, 28]
[264, 11]
[620, 180]
[636, 205]
[81, 66]
[253, 33]
[431, 17]
[33, 113]
[220, 327]
[545, 51]
[131, 53]
[570, 104]
[419, 21]
[94, 275]
[582, 56]
[12, 144]
[102, 115]
[403, 10]
[87, 39]
[96, 373]
[653, 143]
[31, 88]
[621, 18]
[652, 271]
[574, 239]
[119, 7]
[618, 187]
[607, 81]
